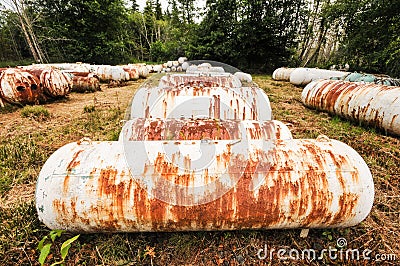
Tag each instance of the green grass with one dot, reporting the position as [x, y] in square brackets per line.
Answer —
[20, 161]
[36, 112]
[22, 156]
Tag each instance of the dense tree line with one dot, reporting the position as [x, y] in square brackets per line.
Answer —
[251, 34]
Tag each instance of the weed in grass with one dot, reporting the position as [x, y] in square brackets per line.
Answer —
[89, 109]
[45, 247]
[38, 113]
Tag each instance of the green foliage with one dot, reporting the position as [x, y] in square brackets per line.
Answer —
[90, 31]
[36, 112]
[44, 246]
[371, 43]
[328, 234]
[253, 35]
[15, 63]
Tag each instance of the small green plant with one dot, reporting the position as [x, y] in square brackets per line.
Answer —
[328, 234]
[44, 246]
[38, 113]
[89, 109]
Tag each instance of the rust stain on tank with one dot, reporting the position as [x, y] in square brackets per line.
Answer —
[65, 185]
[238, 208]
[370, 104]
[19, 86]
[74, 162]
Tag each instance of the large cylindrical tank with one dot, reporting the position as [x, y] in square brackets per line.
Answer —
[282, 73]
[244, 77]
[20, 87]
[376, 105]
[55, 83]
[182, 60]
[197, 80]
[144, 72]
[302, 76]
[142, 129]
[89, 83]
[193, 96]
[204, 68]
[73, 67]
[107, 73]
[132, 71]
[132, 186]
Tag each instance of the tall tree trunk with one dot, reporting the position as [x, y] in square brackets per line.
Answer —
[29, 41]
[27, 29]
[15, 46]
[321, 36]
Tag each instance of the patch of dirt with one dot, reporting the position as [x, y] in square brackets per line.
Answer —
[64, 110]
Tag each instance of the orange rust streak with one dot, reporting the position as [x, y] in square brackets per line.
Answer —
[74, 162]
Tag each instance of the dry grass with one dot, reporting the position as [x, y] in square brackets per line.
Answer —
[97, 116]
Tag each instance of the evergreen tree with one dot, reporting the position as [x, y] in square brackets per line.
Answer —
[158, 10]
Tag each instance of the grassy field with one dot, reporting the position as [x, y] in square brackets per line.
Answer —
[29, 136]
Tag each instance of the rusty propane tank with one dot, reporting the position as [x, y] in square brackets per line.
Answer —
[55, 83]
[132, 186]
[218, 95]
[20, 87]
[373, 104]
[142, 129]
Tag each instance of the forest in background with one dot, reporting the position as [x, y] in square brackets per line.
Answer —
[253, 35]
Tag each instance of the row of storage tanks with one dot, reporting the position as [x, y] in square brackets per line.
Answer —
[200, 151]
[40, 82]
[366, 98]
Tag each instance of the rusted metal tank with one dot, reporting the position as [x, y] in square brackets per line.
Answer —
[143, 71]
[108, 73]
[142, 68]
[73, 67]
[196, 96]
[376, 105]
[18, 86]
[54, 82]
[90, 83]
[183, 185]
[282, 73]
[302, 76]
[132, 71]
[157, 68]
[199, 80]
[142, 129]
